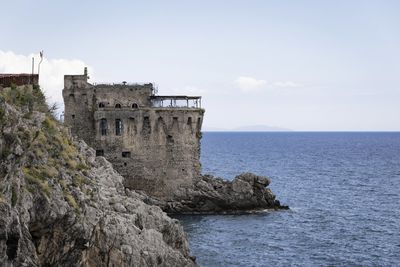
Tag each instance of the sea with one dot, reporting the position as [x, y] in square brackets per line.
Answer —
[343, 190]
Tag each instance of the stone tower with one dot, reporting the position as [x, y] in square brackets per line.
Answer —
[152, 140]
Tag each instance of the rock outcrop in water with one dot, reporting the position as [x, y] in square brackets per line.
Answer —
[62, 206]
[246, 193]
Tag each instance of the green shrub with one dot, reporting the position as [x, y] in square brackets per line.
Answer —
[79, 180]
[72, 164]
[82, 166]
[30, 96]
[14, 196]
[37, 177]
[49, 126]
[2, 114]
[72, 201]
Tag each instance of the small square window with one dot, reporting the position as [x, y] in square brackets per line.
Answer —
[99, 152]
[126, 154]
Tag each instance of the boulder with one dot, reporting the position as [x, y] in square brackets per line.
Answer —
[247, 192]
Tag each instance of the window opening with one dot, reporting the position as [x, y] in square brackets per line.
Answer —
[103, 127]
[126, 154]
[118, 127]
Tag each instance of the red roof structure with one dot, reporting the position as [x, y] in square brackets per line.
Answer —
[18, 79]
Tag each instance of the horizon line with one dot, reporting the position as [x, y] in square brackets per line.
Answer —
[307, 131]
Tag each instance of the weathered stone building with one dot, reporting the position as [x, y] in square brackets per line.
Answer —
[152, 140]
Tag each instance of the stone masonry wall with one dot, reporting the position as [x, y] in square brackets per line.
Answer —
[158, 149]
[78, 101]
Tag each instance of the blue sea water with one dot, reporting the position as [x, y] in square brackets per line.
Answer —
[343, 190]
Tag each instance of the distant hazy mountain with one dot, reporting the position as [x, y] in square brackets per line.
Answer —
[260, 128]
[214, 129]
[249, 128]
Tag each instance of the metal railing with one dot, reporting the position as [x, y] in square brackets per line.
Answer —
[122, 84]
[176, 101]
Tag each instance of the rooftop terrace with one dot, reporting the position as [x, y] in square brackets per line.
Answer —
[176, 101]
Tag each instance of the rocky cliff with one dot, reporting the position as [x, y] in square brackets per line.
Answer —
[62, 206]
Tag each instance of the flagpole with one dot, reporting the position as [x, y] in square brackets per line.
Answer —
[40, 62]
[33, 70]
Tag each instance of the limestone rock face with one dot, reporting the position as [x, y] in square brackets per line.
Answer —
[62, 206]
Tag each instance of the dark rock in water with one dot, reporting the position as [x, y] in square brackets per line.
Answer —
[246, 193]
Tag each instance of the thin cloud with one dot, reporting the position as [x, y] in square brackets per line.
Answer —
[52, 71]
[249, 84]
[287, 84]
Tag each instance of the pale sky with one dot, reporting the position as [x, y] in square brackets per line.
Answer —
[304, 65]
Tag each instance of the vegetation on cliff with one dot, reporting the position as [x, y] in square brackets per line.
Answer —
[62, 206]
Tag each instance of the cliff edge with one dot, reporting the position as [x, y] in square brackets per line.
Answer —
[62, 206]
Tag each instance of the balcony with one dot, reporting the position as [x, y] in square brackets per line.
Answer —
[176, 101]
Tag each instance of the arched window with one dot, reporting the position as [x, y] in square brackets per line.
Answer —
[103, 126]
[118, 127]
[117, 105]
[134, 105]
[101, 105]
